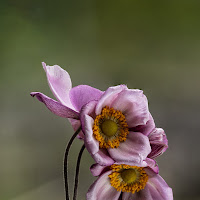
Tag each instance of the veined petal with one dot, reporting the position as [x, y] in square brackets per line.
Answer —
[133, 104]
[108, 97]
[103, 158]
[158, 188]
[56, 107]
[82, 94]
[152, 165]
[141, 195]
[147, 128]
[59, 83]
[133, 151]
[158, 141]
[91, 143]
[97, 169]
[88, 109]
[101, 189]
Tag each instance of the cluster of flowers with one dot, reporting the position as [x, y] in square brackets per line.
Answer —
[119, 133]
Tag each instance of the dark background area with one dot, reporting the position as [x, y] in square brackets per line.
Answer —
[153, 46]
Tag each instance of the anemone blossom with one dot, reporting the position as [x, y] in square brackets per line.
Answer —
[116, 124]
[125, 182]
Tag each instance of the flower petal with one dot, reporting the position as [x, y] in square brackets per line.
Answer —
[141, 195]
[59, 83]
[108, 97]
[158, 188]
[91, 143]
[101, 189]
[147, 128]
[133, 151]
[133, 104]
[103, 158]
[158, 141]
[82, 94]
[88, 109]
[97, 169]
[152, 165]
[56, 107]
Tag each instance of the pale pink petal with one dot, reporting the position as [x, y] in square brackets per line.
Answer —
[147, 128]
[158, 141]
[152, 165]
[103, 158]
[91, 143]
[134, 105]
[133, 151]
[141, 195]
[88, 109]
[108, 97]
[101, 189]
[97, 169]
[56, 107]
[82, 94]
[59, 83]
[158, 188]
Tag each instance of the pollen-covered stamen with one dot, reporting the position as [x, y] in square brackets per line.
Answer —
[110, 128]
[128, 178]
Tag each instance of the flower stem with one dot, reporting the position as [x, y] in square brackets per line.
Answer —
[77, 172]
[66, 162]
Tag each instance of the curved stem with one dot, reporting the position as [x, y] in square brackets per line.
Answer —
[77, 171]
[66, 162]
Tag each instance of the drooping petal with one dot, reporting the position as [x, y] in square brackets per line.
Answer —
[147, 128]
[91, 143]
[158, 188]
[158, 141]
[59, 83]
[56, 107]
[97, 169]
[103, 158]
[133, 104]
[141, 195]
[133, 151]
[108, 97]
[82, 94]
[101, 189]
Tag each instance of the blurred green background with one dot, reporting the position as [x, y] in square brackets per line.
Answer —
[150, 45]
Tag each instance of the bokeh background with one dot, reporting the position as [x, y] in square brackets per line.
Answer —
[150, 45]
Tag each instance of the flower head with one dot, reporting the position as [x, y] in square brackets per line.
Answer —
[116, 124]
[127, 182]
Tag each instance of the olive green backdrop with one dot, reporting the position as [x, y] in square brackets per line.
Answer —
[150, 45]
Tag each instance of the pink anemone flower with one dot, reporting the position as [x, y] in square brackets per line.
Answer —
[116, 124]
[126, 182]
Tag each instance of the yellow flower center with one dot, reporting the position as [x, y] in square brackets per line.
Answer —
[110, 128]
[128, 178]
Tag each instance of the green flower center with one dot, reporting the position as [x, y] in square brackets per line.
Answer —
[109, 128]
[129, 175]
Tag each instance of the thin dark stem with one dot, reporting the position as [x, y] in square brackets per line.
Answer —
[66, 162]
[77, 172]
